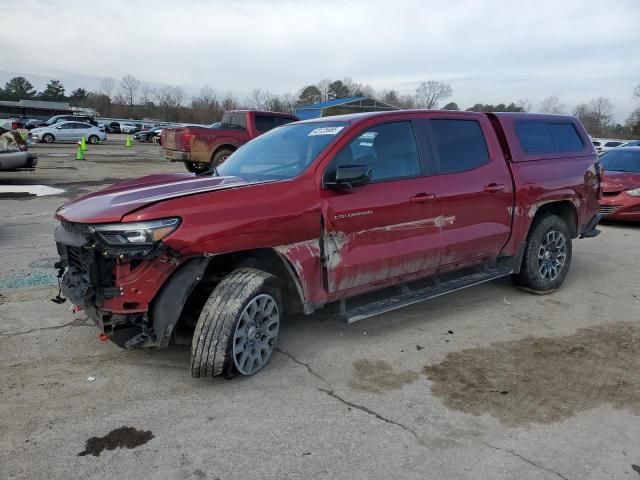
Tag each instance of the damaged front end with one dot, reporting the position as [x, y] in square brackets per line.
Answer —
[113, 272]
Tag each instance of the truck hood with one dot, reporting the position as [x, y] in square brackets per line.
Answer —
[112, 203]
[619, 181]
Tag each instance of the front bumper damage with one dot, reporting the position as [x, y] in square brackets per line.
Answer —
[115, 286]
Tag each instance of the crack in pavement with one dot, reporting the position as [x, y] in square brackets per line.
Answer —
[306, 365]
[73, 323]
[524, 459]
[368, 411]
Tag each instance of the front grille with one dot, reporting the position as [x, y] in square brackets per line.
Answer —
[80, 258]
[608, 209]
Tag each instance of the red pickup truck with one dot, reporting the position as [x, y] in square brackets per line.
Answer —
[202, 148]
[406, 204]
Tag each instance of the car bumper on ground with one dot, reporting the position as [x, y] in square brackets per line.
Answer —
[620, 207]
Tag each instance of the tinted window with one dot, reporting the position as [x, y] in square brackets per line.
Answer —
[621, 160]
[285, 120]
[596, 144]
[613, 144]
[67, 126]
[264, 123]
[548, 137]
[234, 120]
[389, 149]
[81, 125]
[459, 145]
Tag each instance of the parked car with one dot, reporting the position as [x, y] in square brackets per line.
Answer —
[14, 152]
[70, 118]
[603, 145]
[202, 148]
[114, 127]
[68, 131]
[621, 184]
[148, 135]
[317, 212]
[128, 127]
[33, 123]
[634, 143]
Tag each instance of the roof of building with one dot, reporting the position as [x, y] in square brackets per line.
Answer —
[332, 103]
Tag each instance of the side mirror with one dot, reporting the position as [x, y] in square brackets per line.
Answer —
[347, 177]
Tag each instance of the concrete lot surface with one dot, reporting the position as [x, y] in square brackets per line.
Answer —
[487, 383]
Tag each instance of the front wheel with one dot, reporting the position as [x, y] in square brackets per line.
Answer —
[238, 326]
[547, 256]
[48, 138]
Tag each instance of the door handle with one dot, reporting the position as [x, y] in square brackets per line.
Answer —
[423, 197]
[494, 188]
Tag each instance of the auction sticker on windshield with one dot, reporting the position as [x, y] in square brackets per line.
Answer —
[325, 131]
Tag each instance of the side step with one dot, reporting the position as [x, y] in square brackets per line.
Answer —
[408, 296]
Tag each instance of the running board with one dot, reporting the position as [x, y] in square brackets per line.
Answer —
[408, 297]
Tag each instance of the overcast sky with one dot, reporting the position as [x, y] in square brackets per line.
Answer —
[489, 51]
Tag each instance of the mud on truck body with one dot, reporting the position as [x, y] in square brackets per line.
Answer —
[402, 206]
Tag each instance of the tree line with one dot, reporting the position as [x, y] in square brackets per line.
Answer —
[131, 98]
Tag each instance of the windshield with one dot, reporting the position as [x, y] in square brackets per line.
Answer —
[621, 160]
[281, 153]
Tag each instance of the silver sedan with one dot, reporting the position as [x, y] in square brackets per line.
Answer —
[68, 132]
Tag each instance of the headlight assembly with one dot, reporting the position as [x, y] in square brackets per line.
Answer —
[635, 192]
[136, 233]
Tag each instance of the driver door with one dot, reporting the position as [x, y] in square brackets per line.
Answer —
[377, 233]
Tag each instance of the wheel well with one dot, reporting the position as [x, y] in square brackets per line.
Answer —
[222, 147]
[563, 209]
[219, 266]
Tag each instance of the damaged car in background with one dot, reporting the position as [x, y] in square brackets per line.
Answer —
[407, 204]
[14, 151]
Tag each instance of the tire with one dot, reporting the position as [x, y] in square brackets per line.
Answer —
[93, 139]
[48, 138]
[196, 167]
[547, 256]
[220, 156]
[231, 322]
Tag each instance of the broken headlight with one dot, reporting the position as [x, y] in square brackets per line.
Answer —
[136, 233]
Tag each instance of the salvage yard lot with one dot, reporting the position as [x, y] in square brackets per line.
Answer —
[489, 382]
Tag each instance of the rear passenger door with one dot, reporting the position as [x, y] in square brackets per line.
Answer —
[476, 189]
[388, 228]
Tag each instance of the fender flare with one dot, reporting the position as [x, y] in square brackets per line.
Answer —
[168, 304]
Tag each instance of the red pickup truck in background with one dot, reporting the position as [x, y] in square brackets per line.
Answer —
[202, 148]
[406, 204]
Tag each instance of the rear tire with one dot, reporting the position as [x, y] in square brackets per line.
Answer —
[238, 326]
[220, 157]
[195, 167]
[93, 139]
[547, 256]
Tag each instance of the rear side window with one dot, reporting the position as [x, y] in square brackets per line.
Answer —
[459, 145]
[389, 149]
[264, 123]
[548, 137]
[613, 144]
[234, 120]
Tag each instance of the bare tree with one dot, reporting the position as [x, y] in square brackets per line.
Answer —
[170, 100]
[551, 104]
[107, 85]
[596, 116]
[524, 104]
[636, 92]
[323, 86]
[205, 107]
[429, 94]
[129, 86]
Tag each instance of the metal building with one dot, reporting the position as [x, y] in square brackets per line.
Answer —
[341, 106]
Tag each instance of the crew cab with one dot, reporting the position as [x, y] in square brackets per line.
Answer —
[203, 148]
[401, 206]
